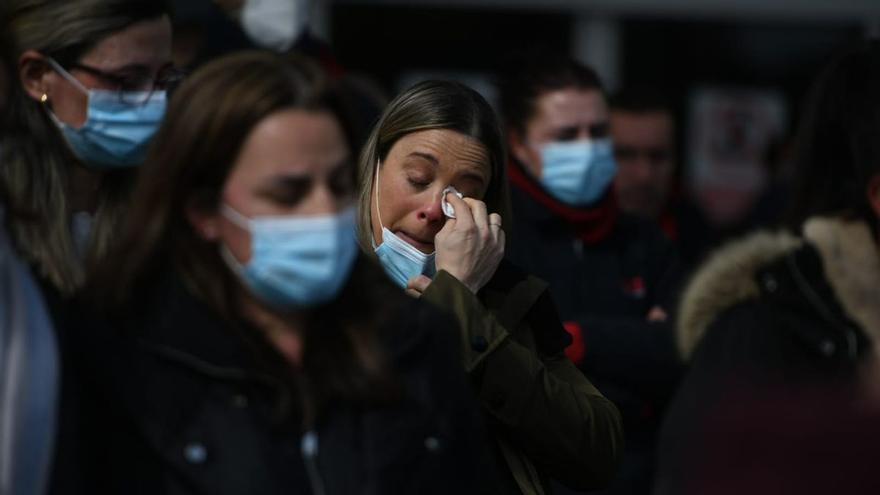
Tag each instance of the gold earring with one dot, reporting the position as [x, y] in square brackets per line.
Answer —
[44, 98]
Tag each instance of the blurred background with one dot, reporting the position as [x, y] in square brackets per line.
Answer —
[733, 72]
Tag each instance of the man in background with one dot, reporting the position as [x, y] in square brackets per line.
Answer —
[643, 130]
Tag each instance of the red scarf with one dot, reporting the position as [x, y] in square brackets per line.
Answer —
[591, 223]
[668, 219]
[669, 224]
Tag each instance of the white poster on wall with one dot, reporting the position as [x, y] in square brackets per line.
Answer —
[730, 133]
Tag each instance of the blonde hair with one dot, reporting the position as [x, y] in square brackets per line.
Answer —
[433, 105]
[37, 165]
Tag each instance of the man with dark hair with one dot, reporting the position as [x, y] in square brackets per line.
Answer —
[612, 275]
[643, 129]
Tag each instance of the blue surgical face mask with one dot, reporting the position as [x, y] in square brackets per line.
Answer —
[118, 126]
[577, 173]
[296, 261]
[400, 260]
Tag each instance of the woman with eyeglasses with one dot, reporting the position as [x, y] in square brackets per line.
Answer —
[86, 96]
[94, 76]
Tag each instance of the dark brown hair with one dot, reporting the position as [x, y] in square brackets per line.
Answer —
[837, 148]
[530, 75]
[209, 118]
[7, 74]
[641, 99]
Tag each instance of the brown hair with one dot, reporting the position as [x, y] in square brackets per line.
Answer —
[7, 71]
[837, 147]
[37, 166]
[434, 105]
[534, 74]
[208, 120]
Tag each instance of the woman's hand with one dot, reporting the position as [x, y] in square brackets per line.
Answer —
[657, 315]
[470, 246]
[416, 285]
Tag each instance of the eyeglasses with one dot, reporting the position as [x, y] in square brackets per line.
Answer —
[132, 89]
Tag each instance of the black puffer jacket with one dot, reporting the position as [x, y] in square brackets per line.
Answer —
[180, 405]
[771, 315]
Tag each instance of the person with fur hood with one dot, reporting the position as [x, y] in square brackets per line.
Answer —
[775, 314]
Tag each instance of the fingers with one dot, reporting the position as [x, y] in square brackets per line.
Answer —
[500, 238]
[480, 215]
[417, 284]
[447, 228]
[657, 315]
[495, 220]
[463, 216]
[495, 226]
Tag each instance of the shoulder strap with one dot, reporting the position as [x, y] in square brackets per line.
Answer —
[519, 301]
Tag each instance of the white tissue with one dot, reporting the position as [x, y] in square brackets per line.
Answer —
[448, 210]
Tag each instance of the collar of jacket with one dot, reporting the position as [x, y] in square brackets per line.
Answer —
[169, 332]
[845, 278]
[851, 263]
[176, 326]
[592, 223]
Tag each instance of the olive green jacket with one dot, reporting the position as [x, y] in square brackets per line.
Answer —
[549, 421]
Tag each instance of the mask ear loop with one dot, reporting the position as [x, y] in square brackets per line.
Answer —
[242, 221]
[235, 217]
[70, 79]
[66, 75]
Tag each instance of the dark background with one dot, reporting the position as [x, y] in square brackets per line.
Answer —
[670, 54]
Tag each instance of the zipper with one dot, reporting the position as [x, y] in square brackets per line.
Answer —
[822, 308]
[578, 248]
[309, 447]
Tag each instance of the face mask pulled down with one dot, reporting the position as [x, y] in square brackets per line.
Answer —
[401, 260]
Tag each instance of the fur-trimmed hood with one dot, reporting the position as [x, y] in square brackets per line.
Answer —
[850, 263]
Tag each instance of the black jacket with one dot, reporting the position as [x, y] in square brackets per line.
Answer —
[607, 289]
[181, 404]
[770, 316]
